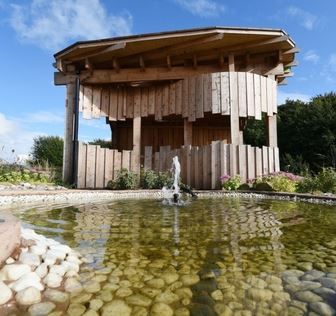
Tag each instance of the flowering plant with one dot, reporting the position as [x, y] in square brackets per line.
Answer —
[230, 183]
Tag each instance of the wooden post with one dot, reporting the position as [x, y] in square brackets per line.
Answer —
[187, 132]
[272, 120]
[68, 132]
[234, 115]
[136, 144]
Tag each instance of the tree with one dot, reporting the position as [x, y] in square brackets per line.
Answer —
[102, 143]
[48, 149]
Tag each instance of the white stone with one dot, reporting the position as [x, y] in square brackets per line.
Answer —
[14, 272]
[41, 309]
[58, 254]
[62, 248]
[56, 295]
[42, 270]
[72, 285]
[5, 293]
[30, 279]
[53, 280]
[38, 249]
[28, 296]
[71, 273]
[49, 258]
[58, 269]
[70, 266]
[116, 307]
[74, 259]
[10, 260]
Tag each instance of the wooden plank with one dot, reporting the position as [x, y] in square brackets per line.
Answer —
[271, 167]
[234, 117]
[264, 160]
[90, 166]
[275, 96]
[129, 103]
[233, 160]
[189, 167]
[272, 131]
[250, 94]
[105, 102]
[157, 161]
[108, 172]
[148, 158]
[216, 92]
[263, 90]
[96, 99]
[120, 112]
[208, 164]
[81, 98]
[158, 103]
[225, 93]
[242, 166]
[185, 97]
[276, 159]
[126, 159]
[113, 111]
[81, 165]
[215, 164]
[178, 98]
[205, 171]
[144, 102]
[187, 132]
[242, 96]
[207, 92]
[258, 162]
[136, 144]
[199, 167]
[199, 112]
[137, 102]
[224, 158]
[192, 99]
[151, 101]
[100, 168]
[87, 106]
[257, 97]
[165, 100]
[172, 97]
[250, 154]
[193, 152]
[269, 97]
[116, 163]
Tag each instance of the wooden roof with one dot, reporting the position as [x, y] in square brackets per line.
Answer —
[192, 47]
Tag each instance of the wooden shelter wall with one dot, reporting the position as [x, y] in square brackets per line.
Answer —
[217, 93]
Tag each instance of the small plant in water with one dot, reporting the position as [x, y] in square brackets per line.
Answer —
[230, 183]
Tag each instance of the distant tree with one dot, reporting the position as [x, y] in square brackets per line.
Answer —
[255, 133]
[102, 143]
[48, 149]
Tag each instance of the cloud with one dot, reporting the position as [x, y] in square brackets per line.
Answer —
[329, 70]
[283, 96]
[311, 56]
[51, 24]
[202, 8]
[44, 117]
[306, 19]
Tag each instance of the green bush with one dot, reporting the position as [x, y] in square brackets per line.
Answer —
[307, 185]
[324, 181]
[151, 180]
[230, 183]
[48, 149]
[279, 181]
[126, 180]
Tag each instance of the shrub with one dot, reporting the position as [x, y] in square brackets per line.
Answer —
[307, 185]
[125, 180]
[230, 183]
[48, 149]
[278, 181]
[326, 180]
[151, 180]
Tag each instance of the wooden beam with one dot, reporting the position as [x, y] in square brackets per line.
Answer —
[115, 64]
[292, 64]
[231, 62]
[286, 74]
[136, 144]
[195, 61]
[293, 50]
[221, 60]
[277, 70]
[142, 63]
[88, 64]
[169, 62]
[187, 131]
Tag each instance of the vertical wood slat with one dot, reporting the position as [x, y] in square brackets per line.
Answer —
[172, 92]
[242, 163]
[108, 172]
[215, 164]
[126, 159]
[151, 101]
[192, 99]
[96, 101]
[183, 164]
[130, 103]
[113, 111]
[225, 93]
[188, 163]
[275, 96]
[225, 158]
[205, 172]
[269, 97]
[185, 97]
[270, 160]
[100, 168]
[234, 117]
[137, 102]
[216, 92]
[144, 102]
[81, 165]
[105, 102]
[157, 162]
[192, 166]
[242, 97]
[276, 159]
[199, 168]
[81, 98]
[158, 103]
[148, 158]
[250, 154]
[258, 162]
[233, 160]
[264, 160]
[263, 90]
[199, 97]
[208, 164]
[116, 163]
[165, 100]
[87, 105]
[250, 94]
[178, 98]
[120, 113]
[257, 97]
[207, 93]
[90, 166]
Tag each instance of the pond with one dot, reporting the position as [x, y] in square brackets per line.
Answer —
[223, 256]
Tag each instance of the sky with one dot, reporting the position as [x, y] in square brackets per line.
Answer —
[31, 31]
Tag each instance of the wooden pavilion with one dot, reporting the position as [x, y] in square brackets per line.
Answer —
[187, 93]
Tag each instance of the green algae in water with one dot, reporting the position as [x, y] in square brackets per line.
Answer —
[210, 257]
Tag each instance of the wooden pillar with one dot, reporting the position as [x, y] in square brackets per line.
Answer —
[136, 144]
[187, 131]
[236, 138]
[68, 132]
[272, 126]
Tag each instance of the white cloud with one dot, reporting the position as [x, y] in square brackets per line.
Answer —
[51, 24]
[44, 117]
[332, 62]
[329, 70]
[283, 96]
[311, 56]
[306, 19]
[203, 8]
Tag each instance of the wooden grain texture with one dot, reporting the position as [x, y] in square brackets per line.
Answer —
[185, 97]
[165, 101]
[272, 131]
[233, 160]
[276, 159]
[108, 172]
[178, 98]
[224, 158]
[264, 160]
[126, 159]
[205, 169]
[130, 103]
[137, 102]
[105, 102]
[100, 168]
[216, 92]
[257, 97]
[192, 99]
[96, 102]
[250, 156]
[81, 165]
[151, 100]
[242, 94]
[263, 90]
[113, 110]
[207, 92]
[120, 113]
[81, 98]
[87, 106]
[271, 168]
[242, 162]
[90, 166]
[269, 97]
[116, 163]
[258, 162]
[144, 102]
[250, 94]
[275, 96]
[148, 158]
[234, 117]
[172, 97]
[199, 97]
[136, 144]
[158, 102]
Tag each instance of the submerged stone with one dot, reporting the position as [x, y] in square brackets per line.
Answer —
[41, 309]
[117, 307]
[5, 293]
[161, 309]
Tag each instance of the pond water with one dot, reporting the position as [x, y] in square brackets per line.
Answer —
[209, 257]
